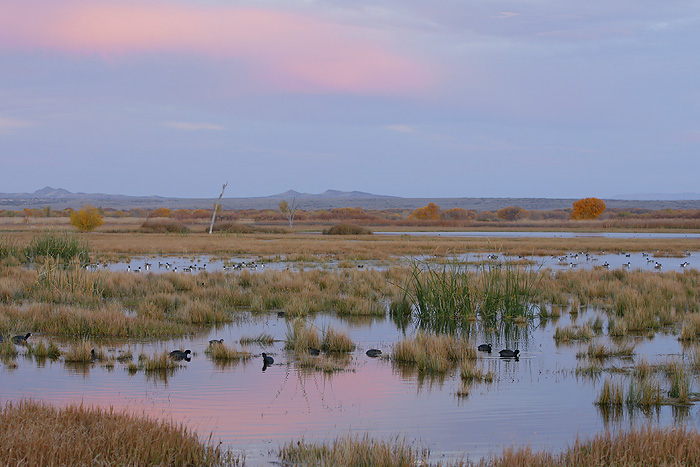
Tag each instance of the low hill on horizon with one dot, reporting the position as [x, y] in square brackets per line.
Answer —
[60, 198]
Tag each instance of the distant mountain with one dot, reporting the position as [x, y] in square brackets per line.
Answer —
[48, 192]
[659, 196]
[328, 194]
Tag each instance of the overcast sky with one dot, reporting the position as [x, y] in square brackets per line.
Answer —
[430, 98]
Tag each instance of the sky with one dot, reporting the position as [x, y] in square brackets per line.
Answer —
[429, 98]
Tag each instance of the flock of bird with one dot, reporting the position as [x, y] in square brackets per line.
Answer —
[572, 260]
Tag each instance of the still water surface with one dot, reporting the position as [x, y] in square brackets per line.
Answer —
[537, 400]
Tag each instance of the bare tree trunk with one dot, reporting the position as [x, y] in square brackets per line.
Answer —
[216, 204]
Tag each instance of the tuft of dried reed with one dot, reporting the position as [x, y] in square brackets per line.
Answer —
[35, 433]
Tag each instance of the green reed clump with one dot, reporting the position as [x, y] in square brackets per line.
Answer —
[9, 249]
[336, 341]
[446, 297]
[35, 433]
[350, 451]
[59, 246]
[573, 333]
[443, 297]
[507, 290]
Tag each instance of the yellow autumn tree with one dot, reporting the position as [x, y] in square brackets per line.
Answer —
[87, 219]
[429, 212]
[161, 212]
[588, 208]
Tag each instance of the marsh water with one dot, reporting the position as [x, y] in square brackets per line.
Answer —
[537, 400]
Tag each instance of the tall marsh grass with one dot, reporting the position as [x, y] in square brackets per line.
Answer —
[34, 433]
[643, 447]
[447, 296]
[433, 353]
[350, 451]
[60, 246]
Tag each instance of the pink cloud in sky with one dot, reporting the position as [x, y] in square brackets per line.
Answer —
[285, 51]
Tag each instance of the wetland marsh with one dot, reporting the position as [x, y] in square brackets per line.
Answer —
[583, 331]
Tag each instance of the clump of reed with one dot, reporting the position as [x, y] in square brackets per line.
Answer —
[35, 433]
[347, 228]
[65, 283]
[300, 337]
[573, 333]
[680, 380]
[336, 341]
[41, 350]
[691, 328]
[602, 352]
[158, 362]
[325, 363]
[433, 353]
[469, 372]
[80, 352]
[647, 446]
[224, 352]
[261, 339]
[60, 246]
[8, 349]
[9, 249]
[611, 395]
[352, 451]
[445, 297]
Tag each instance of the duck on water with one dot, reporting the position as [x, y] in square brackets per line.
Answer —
[181, 355]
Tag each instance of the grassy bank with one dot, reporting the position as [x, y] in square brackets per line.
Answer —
[646, 447]
[37, 434]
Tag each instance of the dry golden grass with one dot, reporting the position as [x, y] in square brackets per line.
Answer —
[573, 333]
[667, 447]
[36, 434]
[350, 451]
[225, 352]
[300, 337]
[118, 237]
[80, 352]
[433, 353]
[325, 363]
[336, 341]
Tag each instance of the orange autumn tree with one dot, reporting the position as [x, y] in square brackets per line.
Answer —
[588, 208]
[86, 219]
[429, 212]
